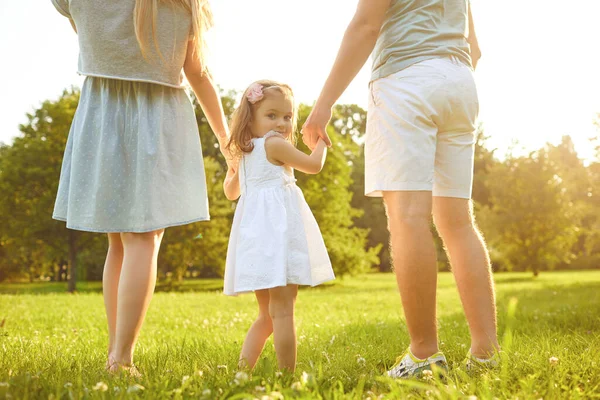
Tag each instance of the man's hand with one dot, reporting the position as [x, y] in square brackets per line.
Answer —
[315, 127]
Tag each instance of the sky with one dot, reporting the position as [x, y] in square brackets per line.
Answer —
[538, 79]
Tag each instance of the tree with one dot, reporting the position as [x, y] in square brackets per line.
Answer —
[530, 222]
[29, 173]
[329, 194]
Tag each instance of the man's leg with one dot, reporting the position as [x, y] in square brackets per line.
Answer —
[414, 258]
[471, 267]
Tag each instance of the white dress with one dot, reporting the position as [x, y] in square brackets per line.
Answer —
[275, 239]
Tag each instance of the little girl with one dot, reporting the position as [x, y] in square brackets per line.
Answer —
[275, 243]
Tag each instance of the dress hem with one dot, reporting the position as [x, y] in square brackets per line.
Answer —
[131, 230]
[249, 290]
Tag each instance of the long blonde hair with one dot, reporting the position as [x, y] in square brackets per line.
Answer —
[146, 11]
[240, 140]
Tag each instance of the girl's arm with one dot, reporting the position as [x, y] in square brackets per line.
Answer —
[208, 96]
[231, 185]
[280, 151]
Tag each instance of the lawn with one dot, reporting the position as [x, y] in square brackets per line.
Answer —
[52, 344]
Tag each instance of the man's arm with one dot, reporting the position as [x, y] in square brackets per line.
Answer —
[472, 39]
[358, 43]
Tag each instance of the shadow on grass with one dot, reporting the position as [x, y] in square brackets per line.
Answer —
[41, 288]
[543, 312]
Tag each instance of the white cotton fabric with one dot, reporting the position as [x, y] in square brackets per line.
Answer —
[421, 130]
[275, 239]
[133, 160]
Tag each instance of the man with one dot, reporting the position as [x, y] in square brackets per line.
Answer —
[419, 157]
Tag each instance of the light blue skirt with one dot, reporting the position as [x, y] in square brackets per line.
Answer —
[133, 161]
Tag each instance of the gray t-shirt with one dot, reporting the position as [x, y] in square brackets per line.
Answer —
[108, 46]
[418, 30]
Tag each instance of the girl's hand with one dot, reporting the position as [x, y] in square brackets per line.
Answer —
[315, 126]
[231, 185]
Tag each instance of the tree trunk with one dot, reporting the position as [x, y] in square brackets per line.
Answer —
[72, 261]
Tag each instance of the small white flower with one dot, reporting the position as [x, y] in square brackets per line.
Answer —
[101, 386]
[68, 385]
[135, 388]
[222, 367]
[200, 373]
[472, 397]
[241, 376]
[279, 374]
[360, 360]
[184, 379]
[553, 360]
[4, 384]
[206, 392]
[259, 388]
[427, 374]
[276, 395]
[297, 386]
[205, 322]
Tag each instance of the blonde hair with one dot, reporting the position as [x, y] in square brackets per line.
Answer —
[146, 11]
[240, 140]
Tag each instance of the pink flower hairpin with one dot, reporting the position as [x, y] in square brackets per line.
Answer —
[255, 93]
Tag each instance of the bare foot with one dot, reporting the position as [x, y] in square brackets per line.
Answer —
[117, 368]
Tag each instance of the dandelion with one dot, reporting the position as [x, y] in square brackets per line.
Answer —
[553, 361]
[101, 386]
[297, 386]
[135, 388]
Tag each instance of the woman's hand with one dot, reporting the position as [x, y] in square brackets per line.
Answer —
[315, 127]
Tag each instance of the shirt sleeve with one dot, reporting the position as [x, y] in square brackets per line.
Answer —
[63, 7]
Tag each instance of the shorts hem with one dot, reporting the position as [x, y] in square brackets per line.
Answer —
[377, 190]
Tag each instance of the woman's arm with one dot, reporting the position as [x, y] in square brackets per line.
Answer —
[208, 96]
[231, 185]
[472, 39]
[280, 151]
[358, 43]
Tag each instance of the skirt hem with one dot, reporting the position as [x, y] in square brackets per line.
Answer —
[131, 230]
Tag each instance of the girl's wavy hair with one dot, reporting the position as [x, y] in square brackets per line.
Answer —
[240, 140]
[145, 15]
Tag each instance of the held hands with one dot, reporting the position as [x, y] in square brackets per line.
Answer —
[315, 127]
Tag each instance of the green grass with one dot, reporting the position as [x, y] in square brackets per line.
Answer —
[53, 344]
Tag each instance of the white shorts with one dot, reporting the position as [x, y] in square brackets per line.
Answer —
[421, 130]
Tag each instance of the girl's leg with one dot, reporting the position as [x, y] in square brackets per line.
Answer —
[110, 286]
[281, 308]
[136, 286]
[258, 333]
